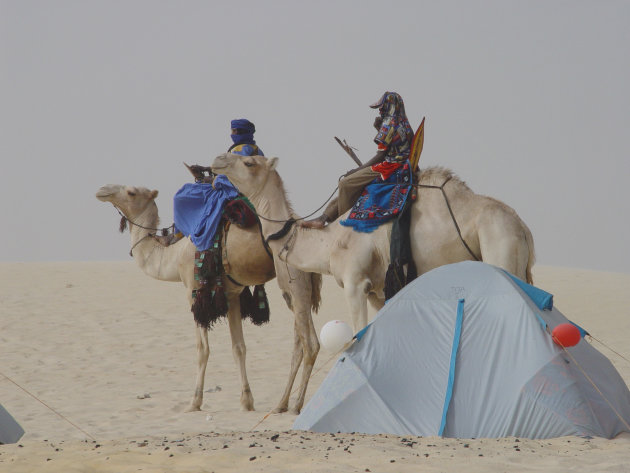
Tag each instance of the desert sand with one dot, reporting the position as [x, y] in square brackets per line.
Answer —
[98, 364]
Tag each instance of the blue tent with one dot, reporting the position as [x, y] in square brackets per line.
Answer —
[465, 351]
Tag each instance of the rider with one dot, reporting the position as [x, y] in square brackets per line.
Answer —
[190, 200]
[393, 141]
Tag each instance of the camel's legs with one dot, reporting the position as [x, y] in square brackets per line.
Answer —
[356, 296]
[296, 288]
[238, 348]
[310, 348]
[203, 352]
[305, 347]
[296, 360]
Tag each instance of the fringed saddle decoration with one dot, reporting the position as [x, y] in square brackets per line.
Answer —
[209, 301]
[402, 269]
[255, 306]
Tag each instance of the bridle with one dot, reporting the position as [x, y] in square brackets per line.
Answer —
[123, 224]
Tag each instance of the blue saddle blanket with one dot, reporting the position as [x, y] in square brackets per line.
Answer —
[197, 209]
[380, 201]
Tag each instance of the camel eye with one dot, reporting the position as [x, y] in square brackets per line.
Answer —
[249, 164]
[131, 193]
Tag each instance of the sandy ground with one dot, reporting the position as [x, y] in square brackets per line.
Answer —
[109, 354]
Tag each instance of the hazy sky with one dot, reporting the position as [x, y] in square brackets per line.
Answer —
[527, 101]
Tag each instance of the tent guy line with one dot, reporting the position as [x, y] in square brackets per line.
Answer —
[48, 407]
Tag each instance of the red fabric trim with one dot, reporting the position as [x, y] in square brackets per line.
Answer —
[386, 169]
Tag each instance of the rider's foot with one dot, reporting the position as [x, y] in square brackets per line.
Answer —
[319, 222]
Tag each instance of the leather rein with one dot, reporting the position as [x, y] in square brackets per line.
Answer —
[288, 224]
[165, 230]
[123, 224]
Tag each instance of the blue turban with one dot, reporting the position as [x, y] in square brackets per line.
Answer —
[245, 131]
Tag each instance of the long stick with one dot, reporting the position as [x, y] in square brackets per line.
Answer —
[348, 149]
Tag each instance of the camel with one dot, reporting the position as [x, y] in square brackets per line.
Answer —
[249, 264]
[358, 261]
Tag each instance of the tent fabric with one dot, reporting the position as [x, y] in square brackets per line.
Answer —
[542, 299]
[508, 377]
[10, 430]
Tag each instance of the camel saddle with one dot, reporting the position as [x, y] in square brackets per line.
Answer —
[211, 267]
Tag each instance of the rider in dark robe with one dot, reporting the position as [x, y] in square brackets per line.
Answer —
[393, 141]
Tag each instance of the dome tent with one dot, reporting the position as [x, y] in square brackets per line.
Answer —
[464, 351]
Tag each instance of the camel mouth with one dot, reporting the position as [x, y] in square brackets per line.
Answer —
[103, 195]
[105, 192]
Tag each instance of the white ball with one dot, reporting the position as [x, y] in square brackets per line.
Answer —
[334, 335]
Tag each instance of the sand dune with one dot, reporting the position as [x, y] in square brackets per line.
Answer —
[111, 353]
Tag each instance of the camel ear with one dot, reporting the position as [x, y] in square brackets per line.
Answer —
[153, 194]
[272, 164]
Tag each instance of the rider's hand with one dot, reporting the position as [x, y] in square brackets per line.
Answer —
[196, 170]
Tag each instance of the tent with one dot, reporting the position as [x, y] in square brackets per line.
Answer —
[10, 430]
[465, 351]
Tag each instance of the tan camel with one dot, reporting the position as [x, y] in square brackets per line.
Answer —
[358, 261]
[249, 264]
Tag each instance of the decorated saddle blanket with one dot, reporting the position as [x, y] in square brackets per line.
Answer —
[210, 300]
[241, 212]
[199, 210]
[381, 201]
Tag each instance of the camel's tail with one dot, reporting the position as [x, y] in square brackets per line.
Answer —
[316, 291]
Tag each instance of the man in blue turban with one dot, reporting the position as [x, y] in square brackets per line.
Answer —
[197, 208]
[243, 137]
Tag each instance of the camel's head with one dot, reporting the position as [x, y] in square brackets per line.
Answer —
[248, 173]
[131, 200]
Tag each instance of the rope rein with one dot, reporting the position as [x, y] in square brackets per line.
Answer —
[289, 222]
[148, 235]
[299, 218]
[163, 229]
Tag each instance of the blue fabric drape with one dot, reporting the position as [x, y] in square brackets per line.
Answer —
[197, 209]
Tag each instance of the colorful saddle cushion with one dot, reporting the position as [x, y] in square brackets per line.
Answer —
[381, 201]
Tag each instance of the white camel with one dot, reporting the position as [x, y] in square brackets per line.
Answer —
[358, 261]
[249, 264]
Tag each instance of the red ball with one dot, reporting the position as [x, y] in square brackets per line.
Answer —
[566, 335]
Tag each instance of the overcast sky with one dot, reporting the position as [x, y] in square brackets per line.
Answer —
[527, 101]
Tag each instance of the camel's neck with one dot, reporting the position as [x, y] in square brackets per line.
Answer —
[306, 250]
[154, 259]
